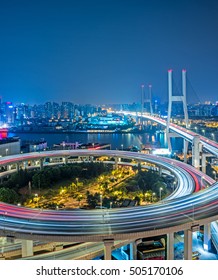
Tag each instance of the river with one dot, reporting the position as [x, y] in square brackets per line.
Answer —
[117, 141]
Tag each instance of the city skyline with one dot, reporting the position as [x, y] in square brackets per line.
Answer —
[101, 52]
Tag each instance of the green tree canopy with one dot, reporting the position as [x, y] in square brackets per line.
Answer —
[8, 195]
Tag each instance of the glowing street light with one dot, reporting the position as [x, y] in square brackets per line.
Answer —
[101, 201]
[64, 144]
[174, 184]
[37, 199]
[160, 192]
[152, 196]
[77, 180]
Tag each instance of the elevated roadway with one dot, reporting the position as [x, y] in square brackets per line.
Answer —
[209, 145]
[186, 212]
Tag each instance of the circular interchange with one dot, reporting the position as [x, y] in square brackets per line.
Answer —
[180, 211]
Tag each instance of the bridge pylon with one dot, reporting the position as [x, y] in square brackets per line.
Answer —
[148, 100]
[177, 98]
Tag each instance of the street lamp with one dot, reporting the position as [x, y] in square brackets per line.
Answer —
[111, 204]
[101, 201]
[152, 196]
[77, 179]
[37, 199]
[160, 192]
[122, 147]
[214, 172]
[174, 184]
[6, 152]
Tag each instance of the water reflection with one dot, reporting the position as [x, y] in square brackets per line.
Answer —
[116, 140]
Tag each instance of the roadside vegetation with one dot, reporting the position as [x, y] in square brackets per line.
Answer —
[85, 185]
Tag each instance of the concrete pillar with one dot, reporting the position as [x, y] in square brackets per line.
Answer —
[203, 163]
[185, 150]
[196, 152]
[116, 162]
[108, 243]
[133, 251]
[207, 237]
[17, 167]
[160, 171]
[25, 165]
[170, 246]
[142, 103]
[187, 244]
[184, 97]
[65, 160]
[27, 248]
[41, 163]
[170, 93]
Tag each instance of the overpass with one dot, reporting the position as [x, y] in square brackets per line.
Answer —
[108, 225]
[199, 142]
[209, 145]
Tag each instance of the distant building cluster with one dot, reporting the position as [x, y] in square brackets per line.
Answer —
[68, 115]
[203, 110]
[19, 114]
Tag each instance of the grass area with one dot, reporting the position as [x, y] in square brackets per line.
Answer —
[71, 194]
[113, 187]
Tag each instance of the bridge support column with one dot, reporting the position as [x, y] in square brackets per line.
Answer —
[196, 150]
[185, 150]
[41, 163]
[160, 170]
[65, 160]
[170, 246]
[187, 244]
[17, 167]
[108, 243]
[207, 237]
[116, 162]
[133, 250]
[175, 98]
[27, 248]
[203, 163]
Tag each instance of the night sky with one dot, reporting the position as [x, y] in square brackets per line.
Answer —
[101, 51]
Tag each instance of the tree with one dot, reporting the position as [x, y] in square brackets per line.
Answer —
[92, 200]
[8, 195]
